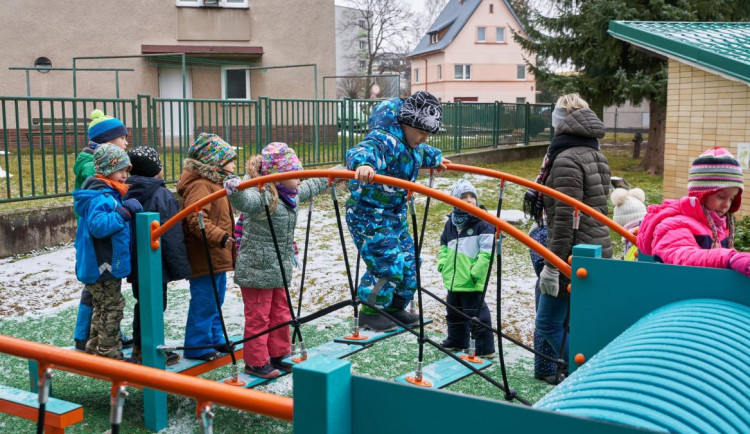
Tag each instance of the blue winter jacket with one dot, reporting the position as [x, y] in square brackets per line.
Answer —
[385, 150]
[103, 237]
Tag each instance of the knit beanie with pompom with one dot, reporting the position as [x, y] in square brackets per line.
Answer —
[629, 205]
[104, 128]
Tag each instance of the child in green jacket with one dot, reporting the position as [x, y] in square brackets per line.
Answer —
[463, 260]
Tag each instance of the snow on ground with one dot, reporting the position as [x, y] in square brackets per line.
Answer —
[43, 284]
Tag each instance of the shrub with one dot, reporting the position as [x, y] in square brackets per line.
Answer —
[742, 235]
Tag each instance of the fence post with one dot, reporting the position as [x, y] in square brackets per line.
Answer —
[457, 127]
[551, 128]
[258, 130]
[526, 124]
[495, 128]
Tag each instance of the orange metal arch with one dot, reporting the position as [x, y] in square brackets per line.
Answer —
[115, 371]
[591, 212]
[502, 225]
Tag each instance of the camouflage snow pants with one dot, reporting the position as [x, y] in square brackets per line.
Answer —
[104, 339]
[385, 244]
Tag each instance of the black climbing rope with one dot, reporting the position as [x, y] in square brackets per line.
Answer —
[304, 264]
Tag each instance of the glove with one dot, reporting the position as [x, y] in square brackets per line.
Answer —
[549, 281]
[133, 206]
[231, 183]
[740, 262]
[124, 213]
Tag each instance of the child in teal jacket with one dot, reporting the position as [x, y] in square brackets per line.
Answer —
[463, 260]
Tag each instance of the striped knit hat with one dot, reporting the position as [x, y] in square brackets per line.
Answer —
[104, 128]
[715, 170]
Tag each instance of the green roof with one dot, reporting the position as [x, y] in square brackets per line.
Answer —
[720, 48]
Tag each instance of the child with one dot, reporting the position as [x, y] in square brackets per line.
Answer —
[103, 245]
[210, 160]
[698, 229]
[629, 211]
[148, 187]
[376, 214]
[258, 272]
[463, 260]
[102, 129]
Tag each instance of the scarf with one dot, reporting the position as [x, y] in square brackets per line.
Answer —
[459, 217]
[287, 195]
[713, 218]
[533, 201]
[117, 186]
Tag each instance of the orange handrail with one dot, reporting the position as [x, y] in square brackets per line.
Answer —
[502, 225]
[591, 212]
[279, 407]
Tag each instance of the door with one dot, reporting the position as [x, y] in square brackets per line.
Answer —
[173, 112]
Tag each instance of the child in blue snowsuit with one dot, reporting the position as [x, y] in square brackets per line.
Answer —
[103, 245]
[464, 260]
[376, 214]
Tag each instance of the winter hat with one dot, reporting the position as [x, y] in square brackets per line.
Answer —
[212, 150]
[558, 114]
[629, 205]
[422, 111]
[109, 158]
[104, 128]
[715, 170]
[463, 186]
[278, 157]
[145, 161]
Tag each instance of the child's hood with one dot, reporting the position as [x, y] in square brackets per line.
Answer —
[90, 189]
[688, 207]
[142, 187]
[384, 118]
[194, 171]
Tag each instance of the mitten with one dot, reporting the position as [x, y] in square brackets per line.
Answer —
[740, 262]
[549, 281]
[133, 206]
[124, 213]
[231, 183]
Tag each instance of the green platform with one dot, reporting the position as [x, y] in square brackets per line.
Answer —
[445, 372]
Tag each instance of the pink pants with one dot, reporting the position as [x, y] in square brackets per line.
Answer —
[265, 308]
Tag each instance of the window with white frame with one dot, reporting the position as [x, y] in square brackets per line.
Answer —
[434, 38]
[520, 100]
[213, 3]
[361, 24]
[521, 72]
[416, 75]
[500, 34]
[362, 45]
[362, 64]
[235, 83]
[481, 34]
[440, 72]
[462, 72]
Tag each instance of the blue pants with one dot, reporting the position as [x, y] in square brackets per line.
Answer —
[385, 244]
[550, 321]
[203, 323]
[542, 367]
[83, 320]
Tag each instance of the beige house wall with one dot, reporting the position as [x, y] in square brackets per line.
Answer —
[62, 30]
[493, 64]
[703, 110]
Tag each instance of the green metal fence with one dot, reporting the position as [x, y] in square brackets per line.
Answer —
[41, 137]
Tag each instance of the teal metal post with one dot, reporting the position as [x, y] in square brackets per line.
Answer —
[152, 317]
[323, 396]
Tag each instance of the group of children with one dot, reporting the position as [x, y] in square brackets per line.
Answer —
[107, 201]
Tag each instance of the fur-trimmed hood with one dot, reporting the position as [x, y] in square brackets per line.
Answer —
[203, 170]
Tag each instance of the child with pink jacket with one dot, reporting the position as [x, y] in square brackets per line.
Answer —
[698, 229]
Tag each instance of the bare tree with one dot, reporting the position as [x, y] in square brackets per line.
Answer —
[351, 87]
[421, 22]
[384, 23]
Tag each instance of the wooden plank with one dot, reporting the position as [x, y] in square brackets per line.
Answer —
[445, 372]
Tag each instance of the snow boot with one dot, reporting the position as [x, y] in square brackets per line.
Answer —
[376, 322]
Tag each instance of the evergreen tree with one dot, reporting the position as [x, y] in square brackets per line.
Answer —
[611, 71]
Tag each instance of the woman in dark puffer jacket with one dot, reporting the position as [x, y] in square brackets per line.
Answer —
[574, 166]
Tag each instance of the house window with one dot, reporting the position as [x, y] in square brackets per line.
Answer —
[362, 64]
[362, 45]
[235, 84]
[500, 34]
[440, 72]
[481, 34]
[462, 72]
[521, 72]
[416, 75]
[361, 24]
[434, 38]
[212, 3]
[492, 8]
[520, 100]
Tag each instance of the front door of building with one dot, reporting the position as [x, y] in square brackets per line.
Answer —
[172, 113]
